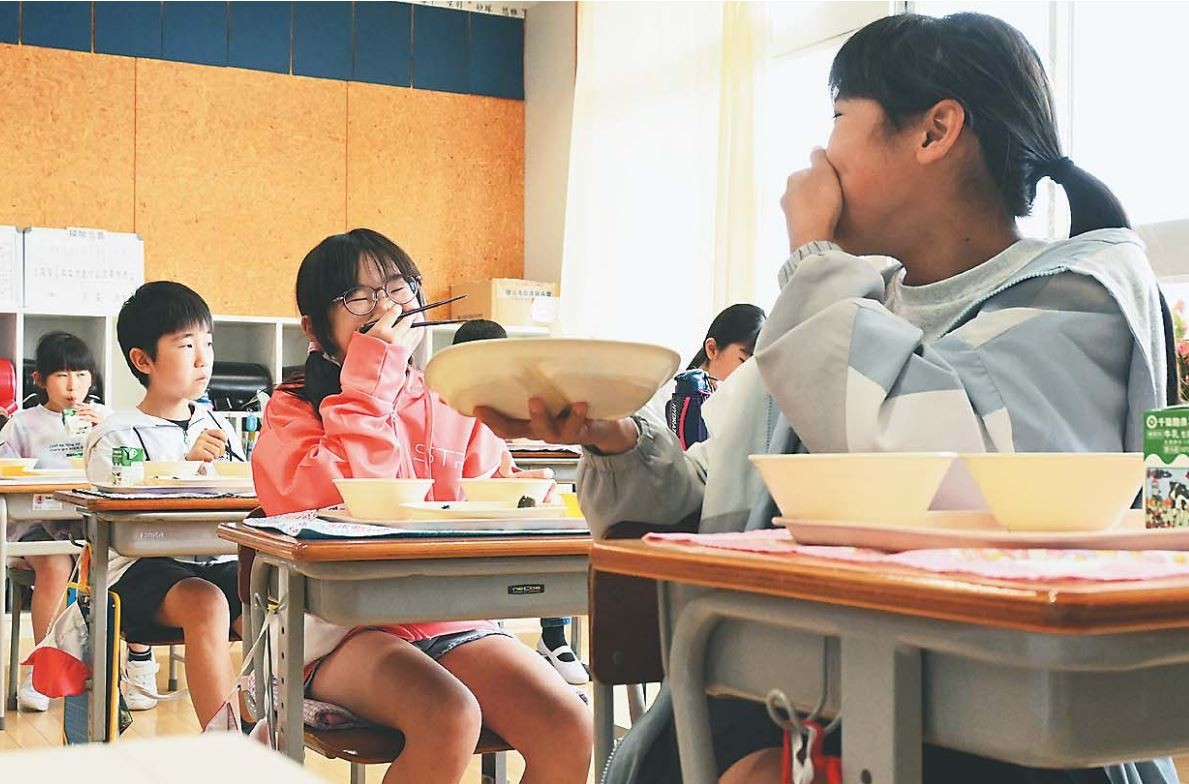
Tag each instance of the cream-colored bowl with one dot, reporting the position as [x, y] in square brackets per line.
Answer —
[16, 466]
[232, 469]
[613, 378]
[510, 490]
[1058, 491]
[381, 499]
[875, 487]
[166, 469]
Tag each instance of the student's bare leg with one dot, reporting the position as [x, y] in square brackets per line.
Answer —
[53, 573]
[528, 704]
[390, 682]
[200, 610]
[759, 767]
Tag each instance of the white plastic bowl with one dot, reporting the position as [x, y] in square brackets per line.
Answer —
[15, 466]
[885, 487]
[509, 490]
[381, 499]
[232, 469]
[1058, 491]
[166, 469]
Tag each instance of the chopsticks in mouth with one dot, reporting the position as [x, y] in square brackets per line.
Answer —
[366, 327]
[431, 306]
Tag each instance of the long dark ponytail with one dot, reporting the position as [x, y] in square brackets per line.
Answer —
[907, 63]
[327, 271]
[736, 324]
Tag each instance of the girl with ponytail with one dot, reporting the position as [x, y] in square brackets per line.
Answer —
[977, 340]
[360, 410]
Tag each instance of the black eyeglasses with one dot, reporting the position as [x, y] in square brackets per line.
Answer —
[361, 300]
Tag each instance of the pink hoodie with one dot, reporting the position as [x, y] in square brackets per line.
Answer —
[385, 423]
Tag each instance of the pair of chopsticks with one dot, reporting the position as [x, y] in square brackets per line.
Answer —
[422, 309]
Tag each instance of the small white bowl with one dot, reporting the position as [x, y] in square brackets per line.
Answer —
[381, 499]
[509, 490]
[232, 469]
[1058, 491]
[876, 487]
[166, 469]
[16, 466]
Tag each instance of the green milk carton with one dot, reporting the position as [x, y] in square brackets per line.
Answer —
[127, 466]
[1166, 456]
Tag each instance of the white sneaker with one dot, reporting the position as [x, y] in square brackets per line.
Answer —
[31, 699]
[565, 662]
[140, 677]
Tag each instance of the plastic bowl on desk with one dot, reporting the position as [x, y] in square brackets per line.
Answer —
[895, 488]
[510, 490]
[1058, 491]
[16, 466]
[232, 469]
[381, 499]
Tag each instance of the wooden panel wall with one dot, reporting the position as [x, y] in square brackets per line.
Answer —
[232, 175]
[466, 220]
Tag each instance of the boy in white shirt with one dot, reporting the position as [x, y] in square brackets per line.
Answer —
[164, 331]
[64, 377]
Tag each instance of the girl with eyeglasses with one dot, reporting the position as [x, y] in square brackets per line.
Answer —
[361, 410]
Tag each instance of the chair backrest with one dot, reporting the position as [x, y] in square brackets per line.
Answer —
[625, 638]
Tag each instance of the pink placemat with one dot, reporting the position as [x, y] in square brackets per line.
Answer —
[1002, 564]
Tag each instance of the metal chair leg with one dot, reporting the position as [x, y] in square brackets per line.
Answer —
[15, 606]
[576, 635]
[358, 773]
[173, 668]
[495, 768]
[635, 701]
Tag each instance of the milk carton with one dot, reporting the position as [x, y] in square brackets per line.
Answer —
[1166, 456]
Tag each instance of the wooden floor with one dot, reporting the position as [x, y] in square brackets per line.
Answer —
[38, 730]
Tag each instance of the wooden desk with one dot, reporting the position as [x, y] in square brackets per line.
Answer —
[20, 502]
[371, 581]
[144, 528]
[1025, 672]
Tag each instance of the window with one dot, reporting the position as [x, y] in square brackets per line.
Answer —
[1116, 69]
[1129, 110]
[796, 116]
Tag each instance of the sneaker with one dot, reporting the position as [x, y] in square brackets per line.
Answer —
[31, 699]
[564, 661]
[140, 677]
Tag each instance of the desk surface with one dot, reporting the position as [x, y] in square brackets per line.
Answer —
[91, 503]
[287, 548]
[1061, 607]
[9, 487]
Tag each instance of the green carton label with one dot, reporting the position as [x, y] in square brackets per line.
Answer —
[1166, 455]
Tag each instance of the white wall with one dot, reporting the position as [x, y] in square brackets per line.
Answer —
[549, 61]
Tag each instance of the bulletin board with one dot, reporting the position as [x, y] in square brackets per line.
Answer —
[81, 272]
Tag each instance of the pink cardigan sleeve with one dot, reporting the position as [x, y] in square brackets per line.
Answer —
[299, 456]
[484, 452]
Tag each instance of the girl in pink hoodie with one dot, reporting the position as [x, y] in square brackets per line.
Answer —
[361, 410]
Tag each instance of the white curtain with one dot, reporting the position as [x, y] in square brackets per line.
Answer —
[661, 207]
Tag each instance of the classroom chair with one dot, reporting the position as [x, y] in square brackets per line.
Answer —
[376, 745]
[20, 583]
